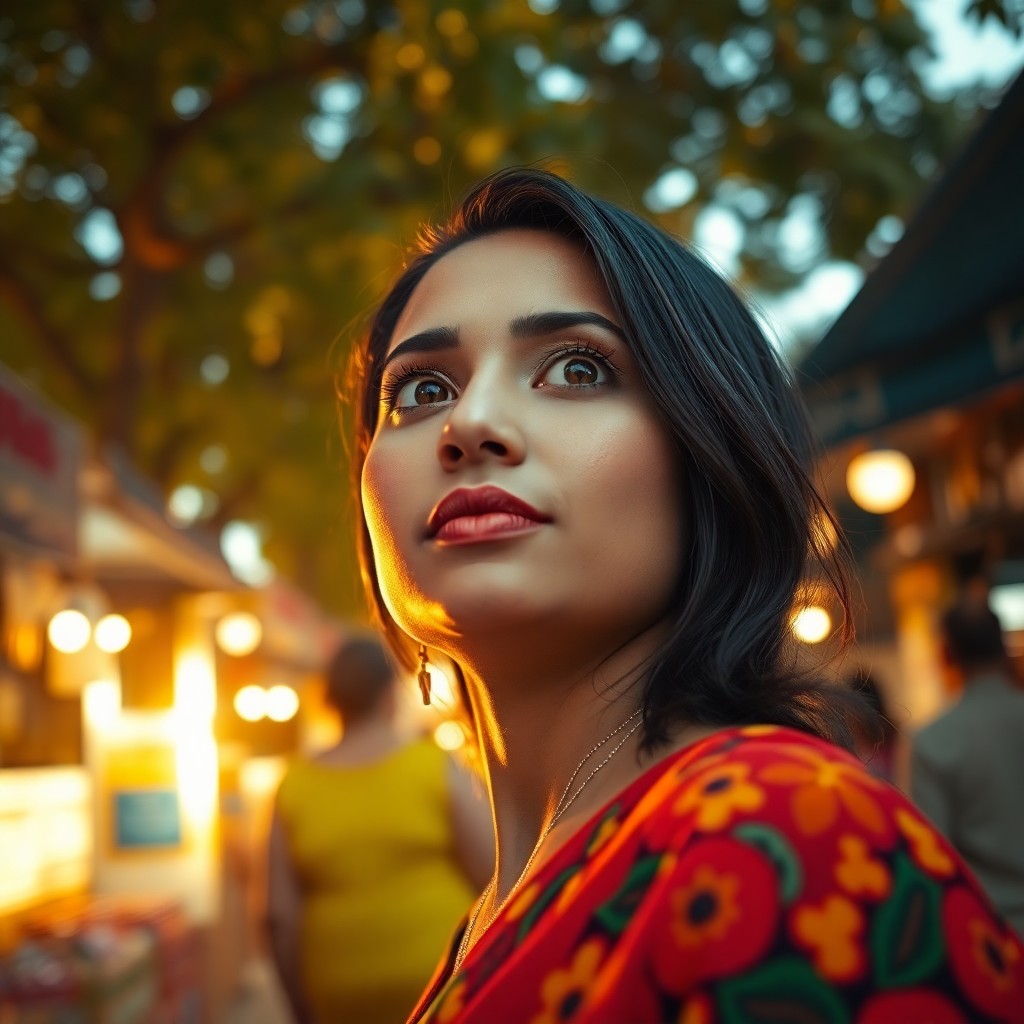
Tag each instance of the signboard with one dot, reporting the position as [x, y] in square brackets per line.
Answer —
[41, 451]
[145, 804]
[146, 818]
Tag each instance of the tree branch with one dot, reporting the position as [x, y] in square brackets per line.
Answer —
[234, 503]
[140, 218]
[27, 306]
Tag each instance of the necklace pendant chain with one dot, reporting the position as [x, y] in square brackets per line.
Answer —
[565, 801]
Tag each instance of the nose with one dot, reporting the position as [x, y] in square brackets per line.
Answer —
[482, 426]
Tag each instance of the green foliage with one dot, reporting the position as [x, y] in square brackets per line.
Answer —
[265, 164]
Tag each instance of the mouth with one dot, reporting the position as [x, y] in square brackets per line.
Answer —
[481, 513]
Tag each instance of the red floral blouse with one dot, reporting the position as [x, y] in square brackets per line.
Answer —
[759, 875]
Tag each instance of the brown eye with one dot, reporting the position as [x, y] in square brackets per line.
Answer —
[580, 371]
[418, 392]
[427, 392]
[576, 371]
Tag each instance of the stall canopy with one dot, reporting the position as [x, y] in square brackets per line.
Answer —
[941, 318]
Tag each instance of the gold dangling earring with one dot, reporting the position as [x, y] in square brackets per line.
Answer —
[423, 676]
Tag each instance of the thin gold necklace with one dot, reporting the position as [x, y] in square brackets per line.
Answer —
[564, 802]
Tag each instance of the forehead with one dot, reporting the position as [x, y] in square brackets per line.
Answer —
[497, 278]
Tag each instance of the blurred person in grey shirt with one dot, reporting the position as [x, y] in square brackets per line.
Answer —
[967, 767]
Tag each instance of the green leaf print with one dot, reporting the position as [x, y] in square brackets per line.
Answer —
[616, 914]
[774, 845]
[906, 936]
[783, 991]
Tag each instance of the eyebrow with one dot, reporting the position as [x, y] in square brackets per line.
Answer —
[437, 339]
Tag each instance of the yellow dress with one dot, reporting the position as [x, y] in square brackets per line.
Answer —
[372, 847]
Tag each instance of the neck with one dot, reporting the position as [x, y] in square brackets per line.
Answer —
[536, 721]
[370, 732]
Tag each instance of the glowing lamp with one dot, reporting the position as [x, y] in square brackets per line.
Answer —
[811, 624]
[112, 633]
[239, 633]
[251, 703]
[101, 702]
[880, 481]
[69, 631]
[282, 703]
[449, 736]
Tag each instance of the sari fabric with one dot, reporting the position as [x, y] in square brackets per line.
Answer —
[758, 875]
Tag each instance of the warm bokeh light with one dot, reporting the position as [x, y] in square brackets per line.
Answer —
[811, 624]
[239, 633]
[282, 703]
[69, 631]
[101, 703]
[435, 81]
[449, 736]
[113, 633]
[451, 22]
[25, 646]
[880, 481]
[427, 150]
[195, 689]
[251, 703]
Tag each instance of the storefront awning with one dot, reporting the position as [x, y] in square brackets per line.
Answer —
[941, 318]
[125, 533]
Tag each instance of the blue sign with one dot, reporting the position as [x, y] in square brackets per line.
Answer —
[146, 818]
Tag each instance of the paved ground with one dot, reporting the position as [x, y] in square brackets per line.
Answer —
[259, 999]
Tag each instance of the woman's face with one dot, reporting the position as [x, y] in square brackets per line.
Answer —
[519, 476]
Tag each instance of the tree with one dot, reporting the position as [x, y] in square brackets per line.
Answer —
[197, 199]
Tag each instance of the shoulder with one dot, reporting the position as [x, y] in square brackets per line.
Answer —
[291, 788]
[936, 740]
[784, 862]
[770, 774]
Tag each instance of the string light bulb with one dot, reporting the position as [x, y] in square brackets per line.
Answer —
[880, 481]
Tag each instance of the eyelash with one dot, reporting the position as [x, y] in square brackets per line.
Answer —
[391, 387]
[580, 348]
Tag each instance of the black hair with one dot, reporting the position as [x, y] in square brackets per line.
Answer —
[756, 527]
[877, 728]
[358, 676]
[973, 634]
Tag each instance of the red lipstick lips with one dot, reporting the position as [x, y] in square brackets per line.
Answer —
[481, 513]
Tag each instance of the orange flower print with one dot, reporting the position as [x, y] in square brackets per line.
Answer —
[602, 834]
[569, 891]
[986, 956]
[823, 786]
[718, 794]
[565, 988]
[705, 908]
[858, 872]
[719, 913]
[522, 903]
[758, 730]
[696, 1010]
[994, 954]
[831, 932]
[453, 1002]
[925, 845]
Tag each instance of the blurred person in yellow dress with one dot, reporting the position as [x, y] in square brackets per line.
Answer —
[377, 848]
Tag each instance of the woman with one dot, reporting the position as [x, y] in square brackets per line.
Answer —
[379, 843]
[584, 481]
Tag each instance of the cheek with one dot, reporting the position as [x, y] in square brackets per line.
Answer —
[635, 492]
[381, 495]
[384, 495]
